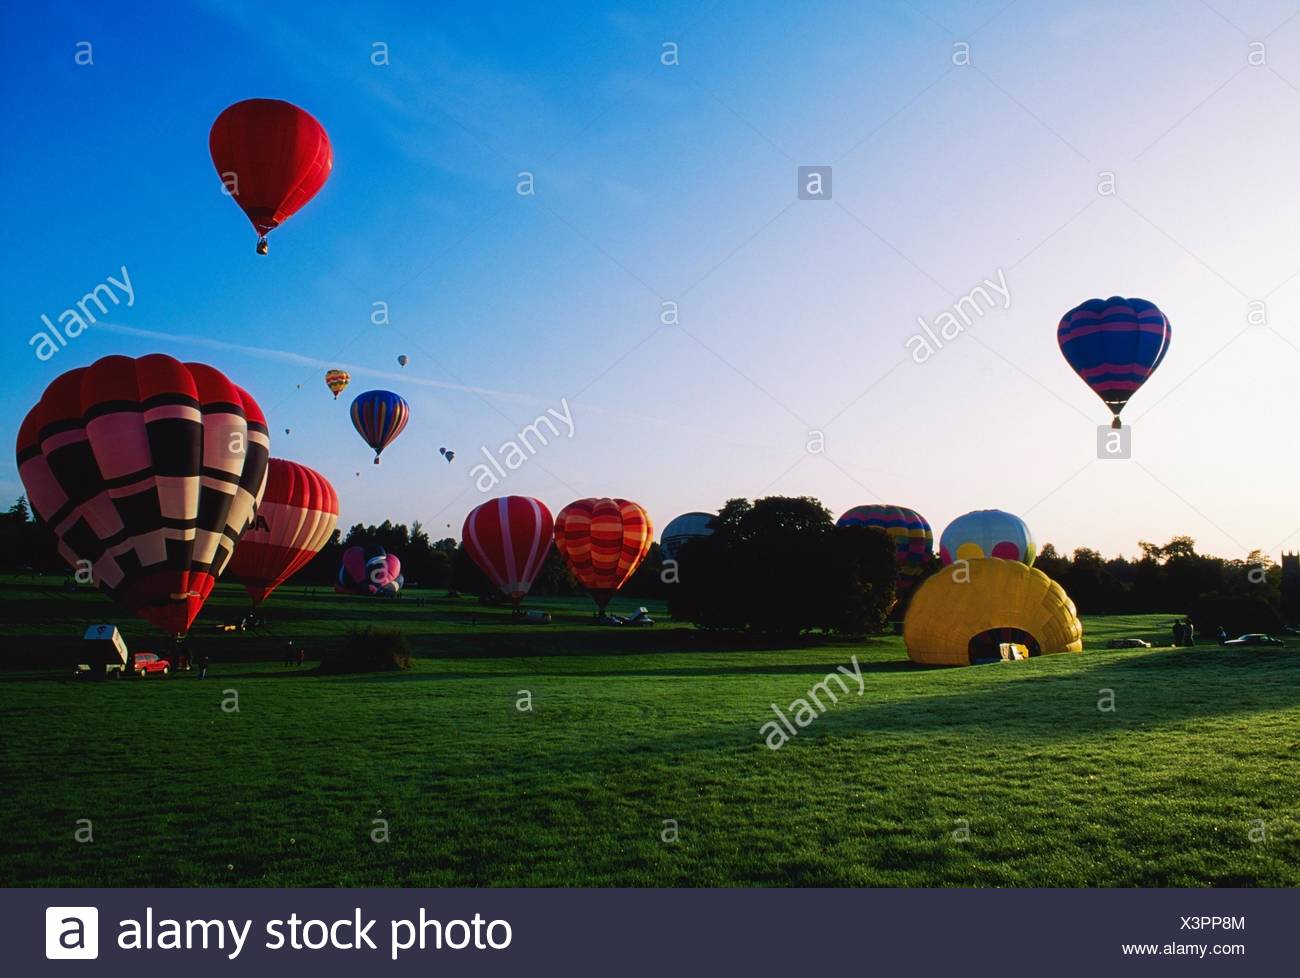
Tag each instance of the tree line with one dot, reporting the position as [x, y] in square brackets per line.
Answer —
[779, 564]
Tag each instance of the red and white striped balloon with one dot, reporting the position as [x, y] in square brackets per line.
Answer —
[508, 538]
[295, 519]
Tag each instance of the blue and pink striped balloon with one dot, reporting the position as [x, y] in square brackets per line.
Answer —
[1114, 344]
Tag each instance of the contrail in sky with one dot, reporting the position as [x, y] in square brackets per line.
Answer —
[288, 356]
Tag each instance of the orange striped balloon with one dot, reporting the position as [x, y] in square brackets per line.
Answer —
[603, 541]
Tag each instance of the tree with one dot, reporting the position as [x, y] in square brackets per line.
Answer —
[780, 566]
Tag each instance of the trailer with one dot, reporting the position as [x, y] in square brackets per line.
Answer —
[104, 651]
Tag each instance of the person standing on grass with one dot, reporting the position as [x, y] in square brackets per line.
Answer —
[302, 656]
[288, 653]
[1223, 635]
[203, 666]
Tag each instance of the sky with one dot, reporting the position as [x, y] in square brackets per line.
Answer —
[1068, 150]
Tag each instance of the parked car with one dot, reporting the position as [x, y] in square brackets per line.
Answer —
[1254, 638]
[147, 662]
[1128, 643]
[1291, 630]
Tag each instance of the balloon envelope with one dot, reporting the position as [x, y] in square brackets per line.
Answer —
[603, 541]
[272, 158]
[369, 570]
[336, 381]
[147, 471]
[910, 531]
[688, 526]
[988, 533]
[508, 538]
[296, 517]
[379, 417]
[1114, 345]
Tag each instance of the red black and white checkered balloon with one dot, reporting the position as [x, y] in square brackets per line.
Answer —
[147, 471]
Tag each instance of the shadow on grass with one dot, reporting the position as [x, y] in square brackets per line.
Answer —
[1039, 707]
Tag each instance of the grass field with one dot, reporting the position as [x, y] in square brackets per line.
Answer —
[1003, 775]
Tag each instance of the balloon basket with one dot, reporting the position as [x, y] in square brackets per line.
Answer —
[262, 246]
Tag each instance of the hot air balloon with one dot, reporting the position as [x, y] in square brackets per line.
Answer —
[336, 381]
[688, 526]
[403, 360]
[1114, 344]
[371, 571]
[603, 541]
[508, 538]
[913, 538]
[147, 471]
[295, 518]
[447, 453]
[272, 158]
[988, 533]
[379, 417]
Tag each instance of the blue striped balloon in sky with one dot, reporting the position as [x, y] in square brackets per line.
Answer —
[379, 417]
[1114, 344]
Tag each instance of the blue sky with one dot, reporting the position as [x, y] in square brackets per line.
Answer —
[676, 183]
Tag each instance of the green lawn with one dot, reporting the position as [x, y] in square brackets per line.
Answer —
[642, 726]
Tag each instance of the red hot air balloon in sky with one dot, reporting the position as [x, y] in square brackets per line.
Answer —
[604, 542]
[508, 538]
[272, 158]
[147, 471]
[295, 518]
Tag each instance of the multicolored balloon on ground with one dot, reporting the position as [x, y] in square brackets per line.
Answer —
[379, 417]
[1114, 344]
[988, 533]
[147, 471]
[336, 381]
[371, 571]
[688, 526]
[603, 541]
[913, 538]
[272, 158]
[508, 538]
[294, 520]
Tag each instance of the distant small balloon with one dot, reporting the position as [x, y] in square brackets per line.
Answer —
[447, 454]
[403, 360]
[286, 431]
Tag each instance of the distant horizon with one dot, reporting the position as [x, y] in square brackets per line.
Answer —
[656, 274]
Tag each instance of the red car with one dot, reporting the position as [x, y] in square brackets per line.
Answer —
[147, 662]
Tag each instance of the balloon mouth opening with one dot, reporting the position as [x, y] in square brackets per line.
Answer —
[262, 246]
